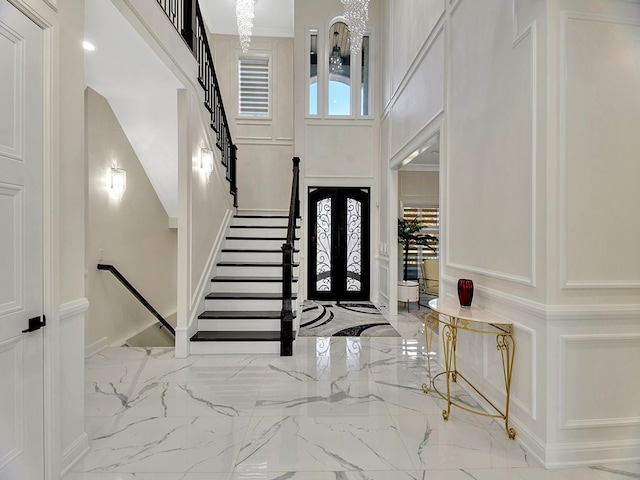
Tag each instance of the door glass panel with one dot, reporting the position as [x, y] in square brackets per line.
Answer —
[323, 250]
[354, 245]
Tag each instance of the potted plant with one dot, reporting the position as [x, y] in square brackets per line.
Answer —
[409, 235]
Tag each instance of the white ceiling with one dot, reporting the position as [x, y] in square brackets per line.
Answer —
[425, 158]
[273, 18]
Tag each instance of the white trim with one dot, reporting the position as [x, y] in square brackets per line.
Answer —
[591, 453]
[74, 452]
[95, 347]
[70, 309]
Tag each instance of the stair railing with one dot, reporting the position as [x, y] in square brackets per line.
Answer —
[286, 314]
[137, 294]
[190, 25]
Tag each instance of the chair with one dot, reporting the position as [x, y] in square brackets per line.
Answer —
[430, 276]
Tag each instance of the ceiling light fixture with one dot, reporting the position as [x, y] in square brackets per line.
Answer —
[335, 60]
[88, 46]
[356, 13]
[244, 17]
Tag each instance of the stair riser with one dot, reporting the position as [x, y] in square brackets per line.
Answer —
[267, 222]
[241, 271]
[258, 232]
[252, 287]
[251, 244]
[239, 325]
[226, 348]
[255, 256]
[243, 304]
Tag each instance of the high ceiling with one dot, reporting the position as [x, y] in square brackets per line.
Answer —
[273, 18]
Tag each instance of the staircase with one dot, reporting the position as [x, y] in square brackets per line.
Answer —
[242, 311]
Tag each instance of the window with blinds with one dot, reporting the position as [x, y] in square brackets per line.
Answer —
[253, 78]
[430, 219]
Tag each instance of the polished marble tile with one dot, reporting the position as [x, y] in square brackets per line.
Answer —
[535, 473]
[146, 476]
[344, 475]
[464, 441]
[170, 445]
[618, 471]
[322, 443]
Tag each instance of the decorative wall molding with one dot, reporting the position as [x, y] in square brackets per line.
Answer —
[590, 339]
[590, 453]
[565, 282]
[531, 33]
[71, 309]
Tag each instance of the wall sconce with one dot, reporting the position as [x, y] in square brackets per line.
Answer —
[118, 181]
[206, 161]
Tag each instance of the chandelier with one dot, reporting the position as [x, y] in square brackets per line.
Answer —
[244, 17]
[356, 13]
[335, 60]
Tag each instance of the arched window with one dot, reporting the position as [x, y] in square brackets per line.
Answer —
[339, 68]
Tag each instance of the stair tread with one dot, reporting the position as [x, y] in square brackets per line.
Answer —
[252, 264]
[260, 226]
[260, 238]
[247, 279]
[246, 296]
[263, 216]
[231, 336]
[253, 250]
[239, 314]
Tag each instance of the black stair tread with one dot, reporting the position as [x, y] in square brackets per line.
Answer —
[253, 250]
[237, 314]
[253, 264]
[236, 336]
[233, 237]
[248, 279]
[259, 226]
[246, 296]
[263, 216]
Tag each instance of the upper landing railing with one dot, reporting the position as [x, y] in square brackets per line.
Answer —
[187, 19]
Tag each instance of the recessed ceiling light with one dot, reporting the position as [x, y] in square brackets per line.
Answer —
[88, 46]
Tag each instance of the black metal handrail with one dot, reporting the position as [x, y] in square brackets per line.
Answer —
[286, 314]
[135, 293]
[188, 21]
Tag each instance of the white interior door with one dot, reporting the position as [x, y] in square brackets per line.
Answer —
[21, 258]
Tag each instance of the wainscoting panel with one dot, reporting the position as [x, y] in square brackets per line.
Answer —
[599, 54]
[608, 395]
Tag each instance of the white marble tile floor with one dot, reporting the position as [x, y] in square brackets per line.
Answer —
[341, 409]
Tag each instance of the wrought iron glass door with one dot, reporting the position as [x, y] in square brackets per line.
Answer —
[338, 244]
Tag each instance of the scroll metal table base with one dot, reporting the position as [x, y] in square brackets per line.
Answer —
[504, 344]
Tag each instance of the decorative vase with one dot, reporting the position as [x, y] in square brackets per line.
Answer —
[465, 292]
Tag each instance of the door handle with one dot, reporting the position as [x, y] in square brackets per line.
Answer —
[35, 324]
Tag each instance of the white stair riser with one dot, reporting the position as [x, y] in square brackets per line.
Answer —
[225, 348]
[241, 271]
[271, 222]
[237, 325]
[248, 244]
[254, 287]
[237, 304]
[255, 256]
[258, 232]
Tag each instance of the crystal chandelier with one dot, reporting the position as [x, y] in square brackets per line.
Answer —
[356, 13]
[244, 17]
[335, 60]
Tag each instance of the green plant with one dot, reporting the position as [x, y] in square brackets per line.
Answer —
[409, 235]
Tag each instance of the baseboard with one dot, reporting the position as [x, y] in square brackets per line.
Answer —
[96, 347]
[74, 452]
[592, 453]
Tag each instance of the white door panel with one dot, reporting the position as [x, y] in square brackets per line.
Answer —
[21, 257]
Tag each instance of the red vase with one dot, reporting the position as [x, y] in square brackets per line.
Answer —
[465, 292]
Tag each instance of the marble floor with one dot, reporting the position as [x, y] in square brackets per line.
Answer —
[341, 409]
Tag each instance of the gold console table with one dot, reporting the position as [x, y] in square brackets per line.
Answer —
[454, 318]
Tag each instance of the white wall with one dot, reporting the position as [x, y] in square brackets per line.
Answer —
[528, 155]
[265, 145]
[132, 233]
[419, 188]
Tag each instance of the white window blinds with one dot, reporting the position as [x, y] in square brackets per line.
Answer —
[254, 86]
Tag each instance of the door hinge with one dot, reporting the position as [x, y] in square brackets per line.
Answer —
[36, 323]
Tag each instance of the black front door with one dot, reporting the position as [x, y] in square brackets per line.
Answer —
[338, 243]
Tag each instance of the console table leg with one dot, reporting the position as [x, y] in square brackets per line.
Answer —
[429, 318]
[450, 333]
[507, 348]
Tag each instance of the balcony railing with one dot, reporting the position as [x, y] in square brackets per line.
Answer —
[186, 17]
